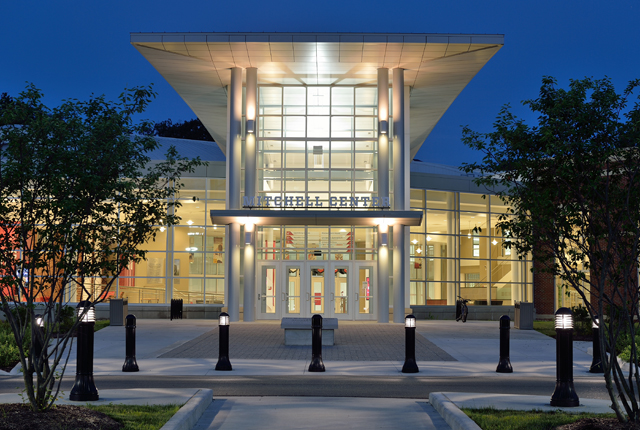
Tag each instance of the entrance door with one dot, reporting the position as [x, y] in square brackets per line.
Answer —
[268, 301]
[340, 306]
[316, 287]
[365, 291]
[343, 290]
[293, 289]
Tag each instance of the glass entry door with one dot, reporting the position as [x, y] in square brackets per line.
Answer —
[365, 291]
[341, 290]
[293, 289]
[317, 280]
[268, 302]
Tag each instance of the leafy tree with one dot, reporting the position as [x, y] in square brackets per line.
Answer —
[573, 181]
[192, 130]
[78, 201]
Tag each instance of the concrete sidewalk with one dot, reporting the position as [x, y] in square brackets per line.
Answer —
[443, 348]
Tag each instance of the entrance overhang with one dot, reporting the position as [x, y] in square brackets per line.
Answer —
[335, 217]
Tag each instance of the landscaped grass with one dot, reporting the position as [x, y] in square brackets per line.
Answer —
[489, 418]
[545, 327]
[100, 324]
[139, 417]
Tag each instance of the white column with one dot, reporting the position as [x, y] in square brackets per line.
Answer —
[452, 259]
[250, 171]
[234, 147]
[400, 166]
[383, 191]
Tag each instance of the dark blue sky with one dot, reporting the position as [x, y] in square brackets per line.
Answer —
[72, 48]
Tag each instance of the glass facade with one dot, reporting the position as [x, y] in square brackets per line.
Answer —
[186, 261]
[458, 251]
[317, 143]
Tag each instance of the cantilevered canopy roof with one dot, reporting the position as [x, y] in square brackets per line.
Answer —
[437, 66]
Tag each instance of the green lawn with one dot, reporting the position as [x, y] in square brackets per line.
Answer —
[137, 417]
[489, 418]
[100, 324]
[545, 327]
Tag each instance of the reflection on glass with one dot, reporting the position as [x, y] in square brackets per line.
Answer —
[364, 295]
[268, 290]
[341, 290]
[293, 290]
[317, 277]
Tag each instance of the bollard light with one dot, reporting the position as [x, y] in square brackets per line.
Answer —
[223, 350]
[224, 319]
[130, 362]
[316, 364]
[596, 363]
[564, 394]
[39, 320]
[410, 321]
[504, 365]
[38, 344]
[84, 388]
[410, 365]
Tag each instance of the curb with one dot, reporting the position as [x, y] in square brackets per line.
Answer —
[456, 419]
[189, 414]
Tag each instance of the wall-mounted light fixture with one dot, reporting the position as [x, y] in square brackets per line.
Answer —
[251, 126]
[384, 234]
[248, 233]
[384, 127]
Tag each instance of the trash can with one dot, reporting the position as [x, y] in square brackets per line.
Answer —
[118, 311]
[524, 316]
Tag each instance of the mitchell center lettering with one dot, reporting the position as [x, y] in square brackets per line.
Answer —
[300, 201]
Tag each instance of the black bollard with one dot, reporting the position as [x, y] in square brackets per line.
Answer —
[223, 350]
[84, 389]
[504, 366]
[316, 345]
[565, 394]
[38, 341]
[410, 365]
[130, 363]
[596, 363]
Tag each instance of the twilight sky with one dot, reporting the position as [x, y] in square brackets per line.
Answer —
[72, 48]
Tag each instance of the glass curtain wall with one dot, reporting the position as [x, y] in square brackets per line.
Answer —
[458, 251]
[317, 142]
[185, 261]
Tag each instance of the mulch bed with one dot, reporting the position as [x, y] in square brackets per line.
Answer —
[14, 416]
[600, 424]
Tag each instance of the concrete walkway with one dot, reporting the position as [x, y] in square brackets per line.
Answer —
[443, 348]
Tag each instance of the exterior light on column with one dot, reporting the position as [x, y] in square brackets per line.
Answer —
[384, 234]
[248, 233]
[410, 321]
[251, 126]
[384, 127]
[565, 393]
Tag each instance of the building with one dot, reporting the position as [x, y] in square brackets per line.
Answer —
[319, 208]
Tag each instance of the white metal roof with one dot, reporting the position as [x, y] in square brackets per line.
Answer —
[437, 66]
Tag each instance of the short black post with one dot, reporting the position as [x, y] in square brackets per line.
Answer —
[504, 365]
[316, 345]
[565, 394]
[596, 363]
[38, 342]
[84, 389]
[410, 365]
[223, 350]
[130, 363]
